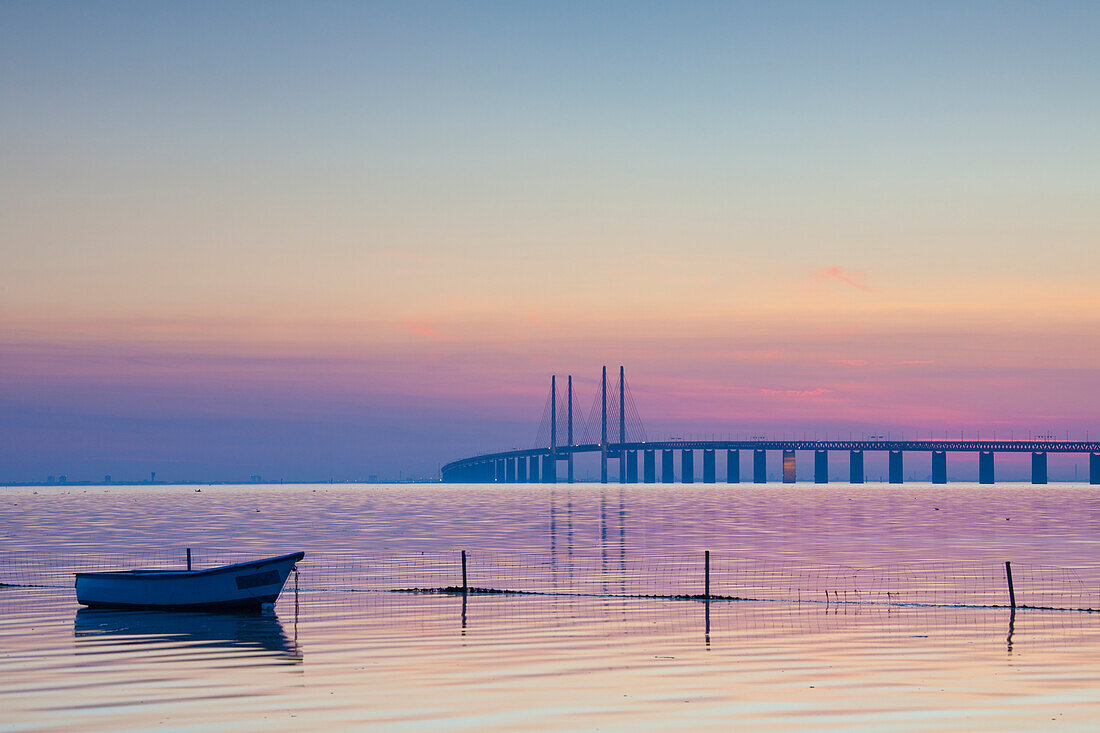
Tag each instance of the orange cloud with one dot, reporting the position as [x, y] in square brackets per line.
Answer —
[533, 317]
[839, 274]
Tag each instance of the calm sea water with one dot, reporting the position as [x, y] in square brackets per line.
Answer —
[397, 661]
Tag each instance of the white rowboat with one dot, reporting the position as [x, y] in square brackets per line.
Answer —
[244, 586]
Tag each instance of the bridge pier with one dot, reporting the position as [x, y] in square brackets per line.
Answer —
[896, 476]
[631, 466]
[1094, 468]
[939, 467]
[759, 466]
[549, 469]
[649, 467]
[985, 467]
[521, 470]
[622, 466]
[1038, 468]
[821, 467]
[667, 474]
[733, 467]
[687, 466]
[788, 467]
[533, 474]
[708, 467]
[855, 467]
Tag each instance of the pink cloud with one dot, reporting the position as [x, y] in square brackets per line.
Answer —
[421, 328]
[759, 355]
[839, 274]
[799, 393]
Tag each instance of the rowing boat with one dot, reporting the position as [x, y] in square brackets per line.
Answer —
[243, 586]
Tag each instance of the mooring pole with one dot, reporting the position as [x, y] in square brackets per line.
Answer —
[464, 586]
[1011, 590]
[188, 558]
[706, 574]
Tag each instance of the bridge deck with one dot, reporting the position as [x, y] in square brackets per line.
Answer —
[967, 446]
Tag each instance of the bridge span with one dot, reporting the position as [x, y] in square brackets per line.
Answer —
[541, 464]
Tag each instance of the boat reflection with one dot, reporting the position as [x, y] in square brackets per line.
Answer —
[242, 632]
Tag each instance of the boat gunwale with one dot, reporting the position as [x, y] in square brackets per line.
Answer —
[152, 573]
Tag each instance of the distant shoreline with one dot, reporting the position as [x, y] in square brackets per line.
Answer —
[37, 484]
[123, 484]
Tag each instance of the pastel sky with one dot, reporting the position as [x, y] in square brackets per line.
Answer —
[342, 239]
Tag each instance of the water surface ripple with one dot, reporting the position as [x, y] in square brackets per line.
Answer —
[405, 661]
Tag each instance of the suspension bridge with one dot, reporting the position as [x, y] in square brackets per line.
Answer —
[564, 433]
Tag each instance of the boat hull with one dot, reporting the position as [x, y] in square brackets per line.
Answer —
[244, 586]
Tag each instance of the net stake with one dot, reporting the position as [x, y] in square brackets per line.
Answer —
[1011, 590]
[464, 588]
[706, 574]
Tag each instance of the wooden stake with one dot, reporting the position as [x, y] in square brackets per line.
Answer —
[706, 574]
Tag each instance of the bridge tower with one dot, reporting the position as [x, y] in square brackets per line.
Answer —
[569, 437]
[622, 426]
[603, 427]
[551, 473]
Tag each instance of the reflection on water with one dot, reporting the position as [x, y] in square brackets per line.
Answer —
[718, 620]
[399, 661]
[838, 523]
[244, 632]
[396, 661]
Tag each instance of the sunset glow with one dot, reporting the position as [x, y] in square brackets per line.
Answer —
[298, 243]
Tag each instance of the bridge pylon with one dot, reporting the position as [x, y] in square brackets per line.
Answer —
[603, 427]
[570, 429]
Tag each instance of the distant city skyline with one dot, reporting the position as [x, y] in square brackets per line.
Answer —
[306, 242]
